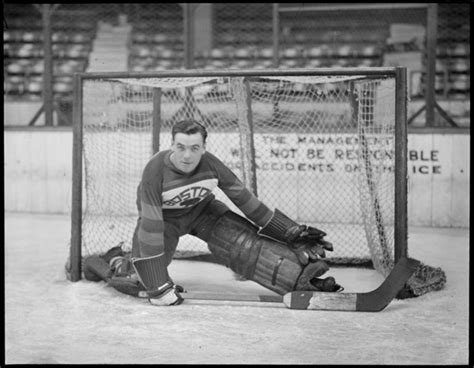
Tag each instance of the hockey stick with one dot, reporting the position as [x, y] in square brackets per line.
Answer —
[373, 301]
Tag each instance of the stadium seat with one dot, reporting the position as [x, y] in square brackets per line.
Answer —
[369, 50]
[216, 64]
[62, 85]
[142, 51]
[228, 38]
[76, 51]
[8, 49]
[460, 49]
[17, 67]
[59, 37]
[313, 63]
[160, 37]
[262, 64]
[291, 52]
[34, 85]
[31, 36]
[365, 63]
[344, 50]
[28, 50]
[13, 84]
[244, 53]
[17, 36]
[218, 53]
[243, 63]
[301, 38]
[13, 88]
[139, 37]
[289, 63]
[134, 50]
[66, 67]
[320, 51]
[138, 68]
[166, 53]
[459, 82]
[163, 64]
[264, 52]
[340, 63]
[7, 36]
[38, 67]
[460, 65]
[79, 38]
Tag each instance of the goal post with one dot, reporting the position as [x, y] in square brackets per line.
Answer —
[326, 146]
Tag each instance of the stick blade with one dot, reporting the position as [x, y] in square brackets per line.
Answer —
[378, 299]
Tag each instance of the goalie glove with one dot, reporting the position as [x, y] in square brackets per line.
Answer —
[306, 242]
[310, 279]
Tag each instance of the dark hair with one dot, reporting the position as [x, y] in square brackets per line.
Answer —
[189, 127]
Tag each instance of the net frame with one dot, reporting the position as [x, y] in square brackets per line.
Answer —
[400, 136]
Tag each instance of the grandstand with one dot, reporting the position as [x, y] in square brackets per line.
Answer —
[24, 52]
[152, 37]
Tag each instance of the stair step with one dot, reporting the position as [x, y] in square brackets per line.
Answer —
[110, 48]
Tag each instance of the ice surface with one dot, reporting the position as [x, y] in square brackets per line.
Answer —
[50, 320]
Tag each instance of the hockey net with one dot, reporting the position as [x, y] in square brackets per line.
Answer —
[321, 148]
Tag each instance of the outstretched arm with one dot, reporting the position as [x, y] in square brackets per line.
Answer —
[307, 242]
[254, 209]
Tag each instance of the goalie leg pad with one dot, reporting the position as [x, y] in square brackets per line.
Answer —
[234, 242]
[152, 272]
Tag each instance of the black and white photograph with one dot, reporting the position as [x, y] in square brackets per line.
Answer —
[237, 183]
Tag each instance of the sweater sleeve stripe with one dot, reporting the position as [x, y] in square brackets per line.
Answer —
[152, 226]
[238, 193]
[261, 215]
[149, 238]
[147, 250]
[250, 205]
[151, 212]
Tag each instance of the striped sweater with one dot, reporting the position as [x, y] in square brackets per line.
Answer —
[165, 191]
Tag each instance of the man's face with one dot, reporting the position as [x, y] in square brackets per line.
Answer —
[187, 151]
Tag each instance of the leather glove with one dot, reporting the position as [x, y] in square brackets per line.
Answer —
[307, 242]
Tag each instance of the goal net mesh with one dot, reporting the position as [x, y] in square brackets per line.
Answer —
[319, 148]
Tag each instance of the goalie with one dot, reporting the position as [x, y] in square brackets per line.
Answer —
[175, 198]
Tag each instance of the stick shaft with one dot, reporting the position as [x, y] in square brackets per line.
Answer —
[227, 297]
